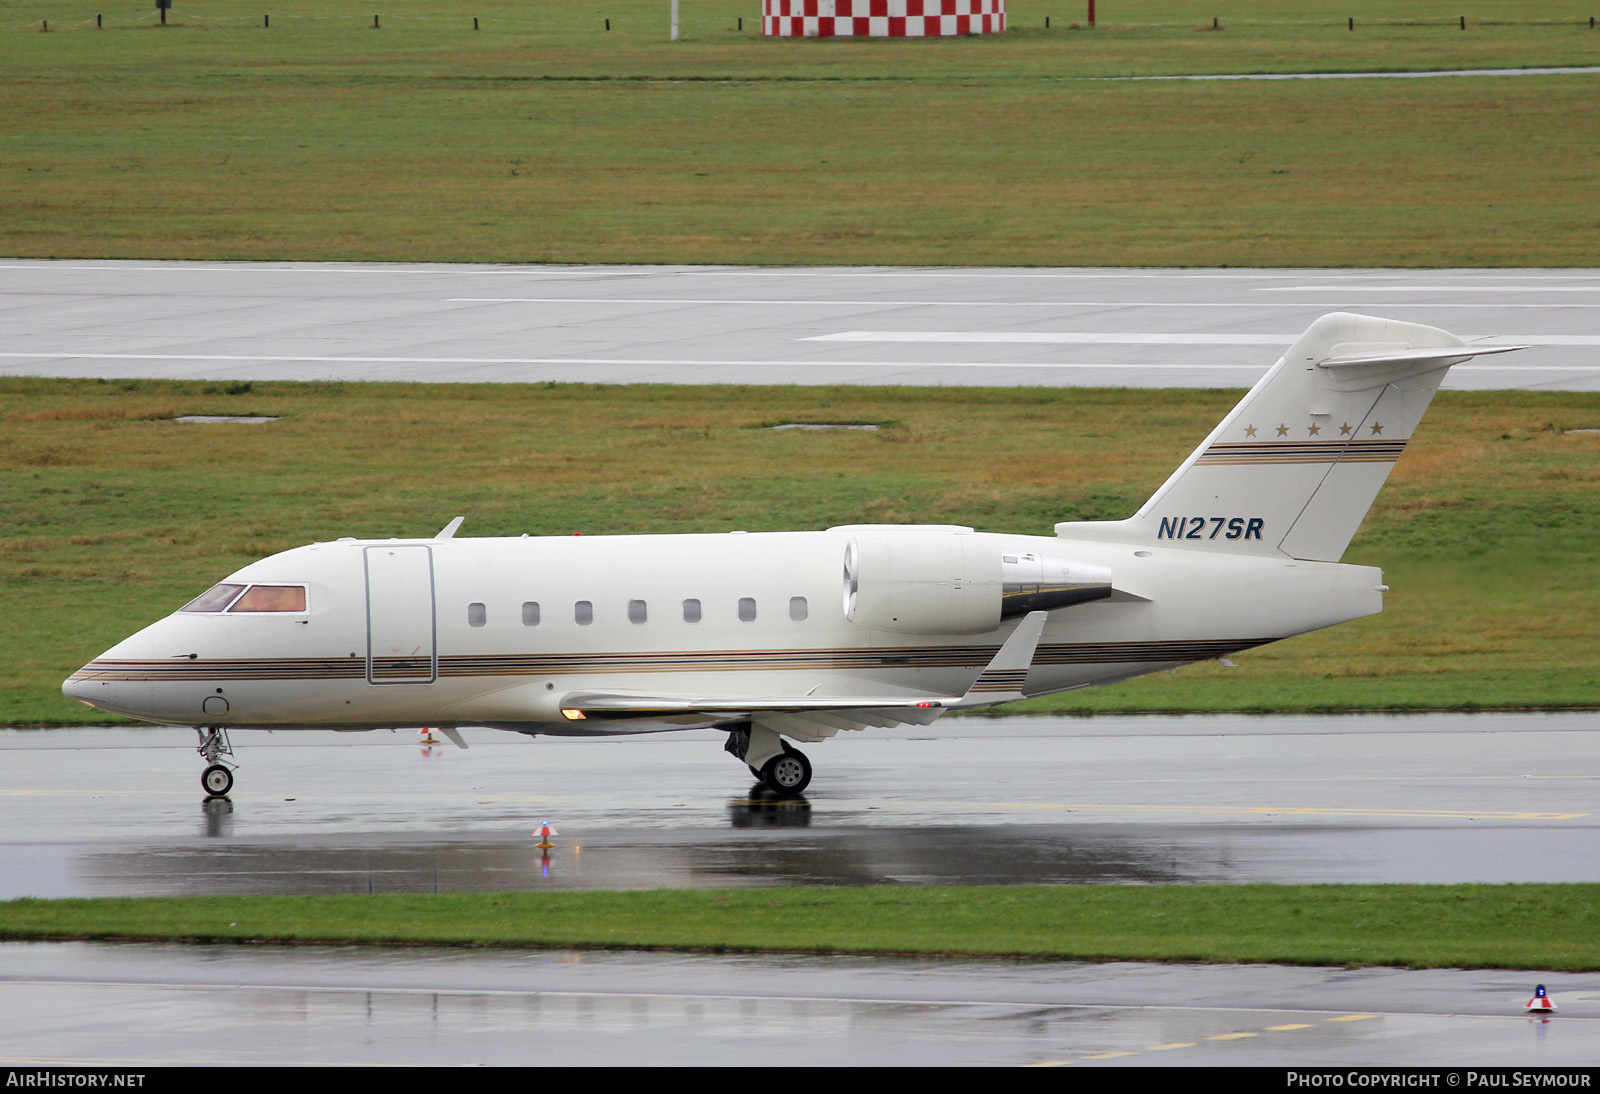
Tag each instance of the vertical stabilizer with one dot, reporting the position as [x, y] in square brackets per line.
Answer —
[1294, 468]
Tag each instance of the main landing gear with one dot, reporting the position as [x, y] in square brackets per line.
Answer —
[782, 769]
[786, 775]
[217, 779]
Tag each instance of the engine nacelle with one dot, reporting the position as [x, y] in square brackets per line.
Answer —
[949, 583]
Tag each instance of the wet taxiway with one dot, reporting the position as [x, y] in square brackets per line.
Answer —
[1495, 797]
[1356, 798]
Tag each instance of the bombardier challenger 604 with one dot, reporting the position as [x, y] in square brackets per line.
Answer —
[790, 637]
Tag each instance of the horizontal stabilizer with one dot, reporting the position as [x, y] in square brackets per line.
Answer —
[1410, 356]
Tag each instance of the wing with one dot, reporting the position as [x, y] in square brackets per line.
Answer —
[812, 716]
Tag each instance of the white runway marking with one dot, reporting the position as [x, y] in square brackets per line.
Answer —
[1177, 339]
[891, 303]
[1435, 288]
[660, 301]
[1052, 338]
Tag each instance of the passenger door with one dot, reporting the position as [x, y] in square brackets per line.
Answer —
[402, 645]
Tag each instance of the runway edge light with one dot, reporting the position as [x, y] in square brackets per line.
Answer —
[1541, 1001]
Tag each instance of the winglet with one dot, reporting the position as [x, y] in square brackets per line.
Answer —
[1001, 681]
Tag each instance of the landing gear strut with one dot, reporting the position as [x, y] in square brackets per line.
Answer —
[782, 769]
[216, 779]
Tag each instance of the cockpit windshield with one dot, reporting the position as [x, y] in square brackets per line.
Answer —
[259, 598]
[214, 599]
[272, 598]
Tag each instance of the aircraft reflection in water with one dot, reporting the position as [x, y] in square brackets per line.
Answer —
[794, 636]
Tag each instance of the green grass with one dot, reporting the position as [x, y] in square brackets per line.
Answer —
[543, 138]
[1487, 529]
[1547, 927]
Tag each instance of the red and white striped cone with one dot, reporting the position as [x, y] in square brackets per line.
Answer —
[1541, 1002]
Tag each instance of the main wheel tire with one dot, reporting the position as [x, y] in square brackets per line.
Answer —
[217, 781]
[787, 774]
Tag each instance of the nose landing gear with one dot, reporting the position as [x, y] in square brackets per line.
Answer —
[217, 779]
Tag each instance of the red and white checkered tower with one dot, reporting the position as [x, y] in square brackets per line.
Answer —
[880, 18]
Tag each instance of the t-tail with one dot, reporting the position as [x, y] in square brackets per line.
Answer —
[1294, 468]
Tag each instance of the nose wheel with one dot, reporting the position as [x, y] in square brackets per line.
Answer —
[216, 778]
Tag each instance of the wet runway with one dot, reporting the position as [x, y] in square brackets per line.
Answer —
[623, 324]
[91, 1005]
[1359, 798]
[1492, 797]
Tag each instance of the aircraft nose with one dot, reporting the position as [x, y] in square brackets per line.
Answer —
[88, 686]
[112, 682]
[74, 687]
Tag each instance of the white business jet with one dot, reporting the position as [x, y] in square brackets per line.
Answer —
[793, 636]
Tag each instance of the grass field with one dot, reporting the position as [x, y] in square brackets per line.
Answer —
[1487, 530]
[542, 137]
[1547, 927]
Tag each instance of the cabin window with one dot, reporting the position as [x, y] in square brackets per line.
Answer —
[477, 615]
[691, 611]
[747, 609]
[213, 599]
[637, 612]
[583, 613]
[530, 613]
[272, 598]
[797, 609]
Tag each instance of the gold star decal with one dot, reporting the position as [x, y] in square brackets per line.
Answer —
[1249, 431]
[1344, 430]
[1313, 429]
[1376, 428]
[1283, 430]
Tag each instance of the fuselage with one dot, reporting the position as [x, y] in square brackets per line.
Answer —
[500, 631]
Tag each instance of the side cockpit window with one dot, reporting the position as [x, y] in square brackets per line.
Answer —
[260, 598]
[215, 599]
[272, 598]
